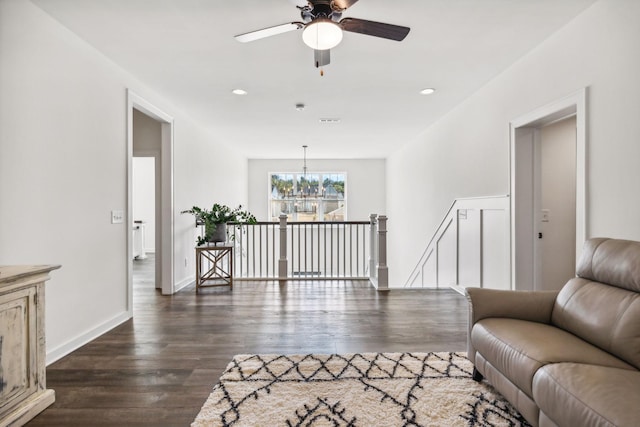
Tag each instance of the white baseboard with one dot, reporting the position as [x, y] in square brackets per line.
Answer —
[80, 340]
[459, 289]
[185, 282]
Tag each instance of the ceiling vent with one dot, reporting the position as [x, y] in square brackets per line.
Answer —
[329, 121]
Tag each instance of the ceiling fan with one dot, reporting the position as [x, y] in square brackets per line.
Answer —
[323, 27]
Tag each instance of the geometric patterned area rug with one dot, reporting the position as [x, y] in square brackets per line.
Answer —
[366, 389]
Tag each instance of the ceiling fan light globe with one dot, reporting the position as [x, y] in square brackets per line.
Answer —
[322, 35]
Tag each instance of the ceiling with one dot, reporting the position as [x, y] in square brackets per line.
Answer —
[185, 51]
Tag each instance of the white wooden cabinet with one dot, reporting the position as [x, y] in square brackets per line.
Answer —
[23, 389]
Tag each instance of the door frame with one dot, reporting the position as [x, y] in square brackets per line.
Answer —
[523, 136]
[166, 220]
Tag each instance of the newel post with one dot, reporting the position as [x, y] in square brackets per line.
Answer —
[372, 245]
[383, 269]
[282, 262]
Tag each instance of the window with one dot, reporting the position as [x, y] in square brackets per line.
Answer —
[308, 197]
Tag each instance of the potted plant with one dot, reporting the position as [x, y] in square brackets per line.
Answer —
[215, 221]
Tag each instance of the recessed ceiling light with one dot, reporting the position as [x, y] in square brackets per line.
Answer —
[427, 91]
[239, 92]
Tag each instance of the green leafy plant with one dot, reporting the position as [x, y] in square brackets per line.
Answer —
[219, 214]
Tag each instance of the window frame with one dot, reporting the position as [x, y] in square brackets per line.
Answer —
[296, 177]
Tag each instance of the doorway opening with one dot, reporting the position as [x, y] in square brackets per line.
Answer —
[150, 137]
[146, 206]
[548, 193]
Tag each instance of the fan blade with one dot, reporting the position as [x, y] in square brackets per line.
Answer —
[321, 57]
[268, 32]
[341, 5]
[376, 29]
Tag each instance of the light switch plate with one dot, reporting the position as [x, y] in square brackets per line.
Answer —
[545, 215]
[117, 217]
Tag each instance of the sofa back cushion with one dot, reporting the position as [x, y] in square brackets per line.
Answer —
[602, 304]
[611, 261]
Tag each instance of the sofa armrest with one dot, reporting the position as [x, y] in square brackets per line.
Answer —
[535, 306]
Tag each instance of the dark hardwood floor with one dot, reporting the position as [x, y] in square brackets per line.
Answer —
[158, 368]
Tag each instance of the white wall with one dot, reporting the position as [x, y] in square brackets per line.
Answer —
[63, 165]
[466, 154]
[365, 184]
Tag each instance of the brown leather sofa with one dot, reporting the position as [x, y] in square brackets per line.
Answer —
[568, 358]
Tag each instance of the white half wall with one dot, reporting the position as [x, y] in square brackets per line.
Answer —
[469, 248]
[63, 165]
[366, 180]
[466, 153]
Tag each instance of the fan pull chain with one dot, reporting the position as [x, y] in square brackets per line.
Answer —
[321, 72]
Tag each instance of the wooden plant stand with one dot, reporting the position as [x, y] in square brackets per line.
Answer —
[214, 266]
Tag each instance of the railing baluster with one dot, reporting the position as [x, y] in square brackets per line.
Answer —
[241, 256]
[331, 235]
[357, 250]
[351, 251]
[260, 229]
[337, 250]
[309, 229]
[363, 258]
[289, 255]
[306, 266]
[253, 255]
[264, 254]
[344, 250]
[300, 248]
[325, 249]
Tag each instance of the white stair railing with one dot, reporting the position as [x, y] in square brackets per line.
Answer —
[346, 250]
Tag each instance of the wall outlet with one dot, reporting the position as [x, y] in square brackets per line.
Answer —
[117, 217]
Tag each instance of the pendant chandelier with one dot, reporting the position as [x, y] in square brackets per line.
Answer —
[304, 188]
[304, 192]
[304, 164]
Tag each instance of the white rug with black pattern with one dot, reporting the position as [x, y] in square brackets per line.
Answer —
[367, 389]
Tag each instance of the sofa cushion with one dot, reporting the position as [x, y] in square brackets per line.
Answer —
[572, 394]
[605, 316]
[518, 348]
[612, 261]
